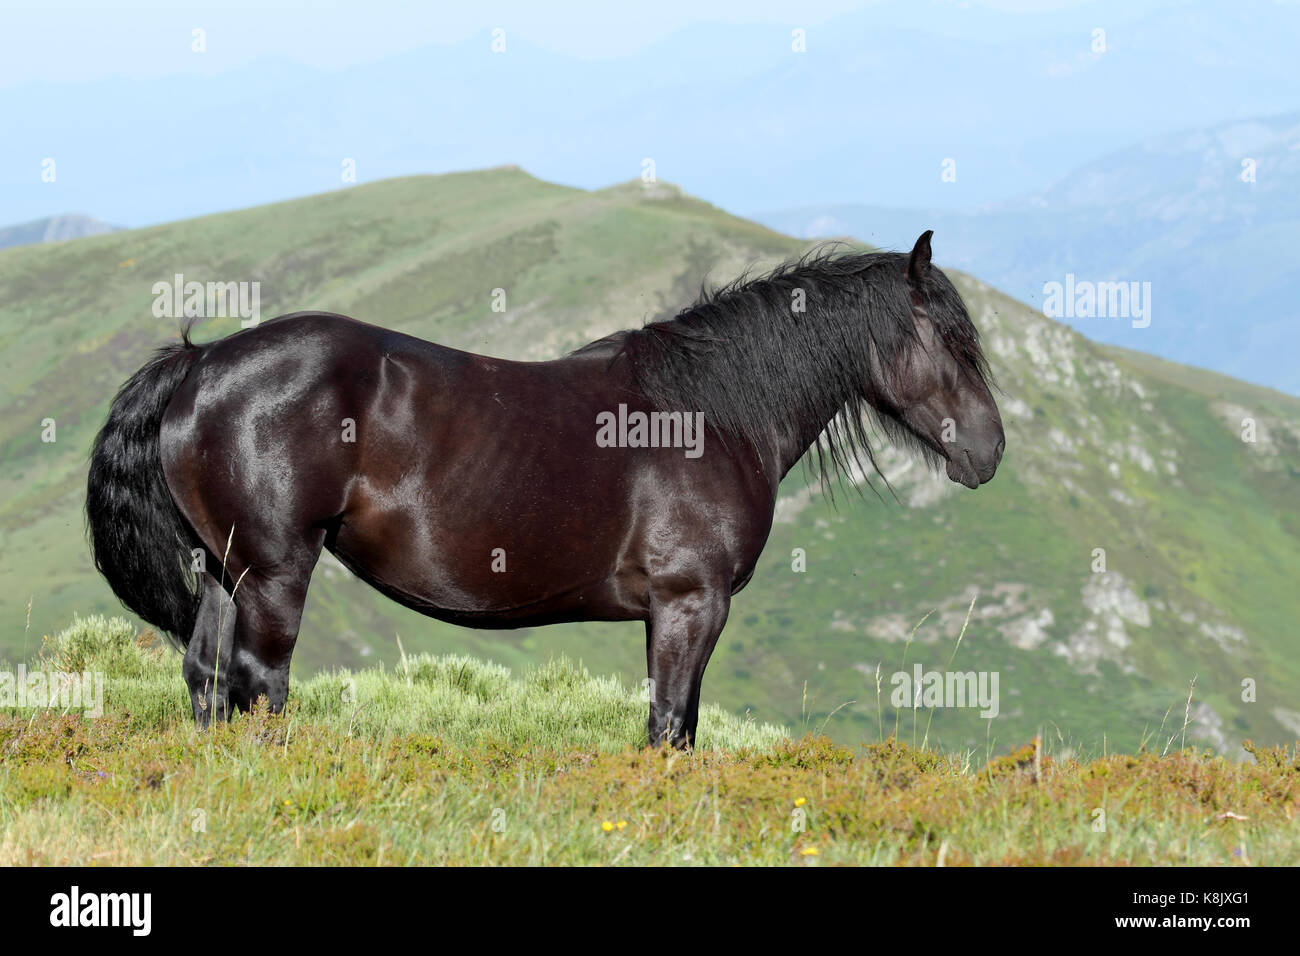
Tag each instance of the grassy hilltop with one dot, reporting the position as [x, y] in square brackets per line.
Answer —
[1105, 449]
[451, 761]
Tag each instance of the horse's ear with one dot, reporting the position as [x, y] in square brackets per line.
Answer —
[918, 263]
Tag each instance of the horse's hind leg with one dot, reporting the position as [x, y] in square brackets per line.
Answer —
[680, 636]
[270, 598]
[208, 654]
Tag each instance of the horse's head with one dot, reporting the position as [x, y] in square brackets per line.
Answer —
[934, 393]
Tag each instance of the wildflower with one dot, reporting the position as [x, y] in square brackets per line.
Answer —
[607, 826]
[622, 824]
[809, 851]
[800, 801]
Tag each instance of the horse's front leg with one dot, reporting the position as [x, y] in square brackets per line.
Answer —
[681, 633]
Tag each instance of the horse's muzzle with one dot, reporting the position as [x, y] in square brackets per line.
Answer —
[973, 468]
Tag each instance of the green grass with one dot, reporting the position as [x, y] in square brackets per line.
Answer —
[553, 705]
[453, 761]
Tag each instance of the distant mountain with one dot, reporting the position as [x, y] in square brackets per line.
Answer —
[1219, 251]
[1106, 449]
[865, 107]
[52, 229]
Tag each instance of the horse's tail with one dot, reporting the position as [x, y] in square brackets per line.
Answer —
[137, 535]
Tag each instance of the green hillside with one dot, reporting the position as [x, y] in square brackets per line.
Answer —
[1105, 449]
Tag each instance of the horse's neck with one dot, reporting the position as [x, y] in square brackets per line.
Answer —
[787, 451]
[788, 441]
[787, 446]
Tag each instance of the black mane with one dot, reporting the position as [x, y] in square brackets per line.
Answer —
[751, 363]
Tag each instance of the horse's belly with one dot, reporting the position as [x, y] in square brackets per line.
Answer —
[482, 580]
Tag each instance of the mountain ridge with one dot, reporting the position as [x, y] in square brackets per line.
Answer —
[53, 229]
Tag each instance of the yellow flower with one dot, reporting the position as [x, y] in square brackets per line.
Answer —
[808, 851]
[621, 824]
[607, 826]
[288, 803]
[799, 801]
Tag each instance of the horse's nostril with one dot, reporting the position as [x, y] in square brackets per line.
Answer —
[997, 452]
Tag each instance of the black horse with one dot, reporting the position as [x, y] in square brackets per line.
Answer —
[500, 494]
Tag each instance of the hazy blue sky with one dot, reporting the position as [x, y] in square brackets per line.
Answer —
[144, 128]
[62, 41]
